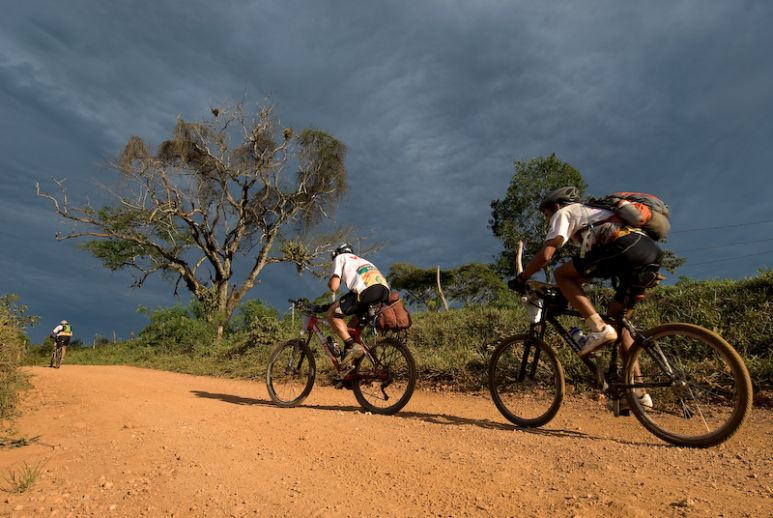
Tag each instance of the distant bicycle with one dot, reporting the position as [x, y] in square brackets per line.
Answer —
[56, 354]
[699, 391]
[383, 379]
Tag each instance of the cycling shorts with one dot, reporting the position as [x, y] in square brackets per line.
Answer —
[617, 259]
[352, 304]
[62, 340]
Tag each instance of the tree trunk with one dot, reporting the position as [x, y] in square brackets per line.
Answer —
[440, 290]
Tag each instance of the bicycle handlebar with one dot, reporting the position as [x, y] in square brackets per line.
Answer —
[305, 305]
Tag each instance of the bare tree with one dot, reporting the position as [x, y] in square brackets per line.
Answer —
[199, 204]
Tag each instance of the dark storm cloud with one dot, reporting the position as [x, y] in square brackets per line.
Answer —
[434, 99]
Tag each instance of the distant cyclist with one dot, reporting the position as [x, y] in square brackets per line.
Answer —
[367, 286]
[608, 249]
[61, 335]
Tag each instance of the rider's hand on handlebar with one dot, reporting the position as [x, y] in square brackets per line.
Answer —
[320, 309]
[518, 284]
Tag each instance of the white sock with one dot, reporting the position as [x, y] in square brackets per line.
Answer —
[595, 323]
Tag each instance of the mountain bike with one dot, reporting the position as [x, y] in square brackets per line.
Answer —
[699, 387]
[383, 379]
[56, 354]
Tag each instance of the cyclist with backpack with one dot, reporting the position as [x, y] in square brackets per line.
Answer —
[367, 286]
[608, 248]
[61, 335]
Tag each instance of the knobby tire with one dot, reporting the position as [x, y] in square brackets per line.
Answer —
[291, 369]
[706, 398]
[393, 374]
[526, 381]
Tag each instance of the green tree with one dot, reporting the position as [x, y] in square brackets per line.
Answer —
[476, 283]
[233, 189]
[417, 285]
[468, 284]
[516, 217]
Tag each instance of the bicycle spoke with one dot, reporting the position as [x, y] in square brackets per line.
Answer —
[290, 374]
[526, 381]
[385, 378]
[697, 383]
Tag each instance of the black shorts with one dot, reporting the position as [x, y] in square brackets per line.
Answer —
[62, 341]
[616, 260]
[351, 304]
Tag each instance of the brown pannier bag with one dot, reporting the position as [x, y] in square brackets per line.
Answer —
[393, 316]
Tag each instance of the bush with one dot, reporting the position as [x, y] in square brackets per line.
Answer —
[13, 345]
[174, 329]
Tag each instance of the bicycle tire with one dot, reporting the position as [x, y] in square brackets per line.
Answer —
[58, 357]
[527, 399]
[709, 390]
[291, 369]
[395, 371]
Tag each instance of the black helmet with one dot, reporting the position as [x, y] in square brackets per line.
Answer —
[343, 248]
[568, 194]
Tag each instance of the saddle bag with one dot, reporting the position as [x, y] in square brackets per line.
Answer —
[393, 316]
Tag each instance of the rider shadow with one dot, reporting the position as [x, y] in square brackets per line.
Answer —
[437, 419]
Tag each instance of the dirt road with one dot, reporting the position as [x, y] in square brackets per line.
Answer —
[122, 441]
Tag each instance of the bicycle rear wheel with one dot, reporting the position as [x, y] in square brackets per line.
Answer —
[700, 389]
[290, 374]
[58, 357]
[385, 384]
[526, 381]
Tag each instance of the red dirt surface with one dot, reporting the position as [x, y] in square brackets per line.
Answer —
[123, 441]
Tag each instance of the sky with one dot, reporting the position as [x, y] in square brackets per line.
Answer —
[435, 100]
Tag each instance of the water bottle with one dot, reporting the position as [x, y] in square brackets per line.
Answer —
[578, 336]
[333, 346]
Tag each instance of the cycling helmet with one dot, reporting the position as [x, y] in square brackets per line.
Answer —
[63, 322]
[562, 195]
[343, 248]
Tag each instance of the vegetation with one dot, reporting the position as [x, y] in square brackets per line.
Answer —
[19, 481]
[516, 217]
[218, 193]
[469, 284]
[451, 348]
[13, 344]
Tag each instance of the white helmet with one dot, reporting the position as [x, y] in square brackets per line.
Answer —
[63, 322]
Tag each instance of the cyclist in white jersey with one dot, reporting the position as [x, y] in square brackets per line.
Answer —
[367, 286]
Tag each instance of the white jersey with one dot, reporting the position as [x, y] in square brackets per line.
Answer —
[357, 273]
[585, 225]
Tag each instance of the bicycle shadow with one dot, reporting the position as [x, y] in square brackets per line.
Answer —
[434, 418]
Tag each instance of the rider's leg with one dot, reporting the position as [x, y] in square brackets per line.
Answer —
[335, 318]
[570, 282]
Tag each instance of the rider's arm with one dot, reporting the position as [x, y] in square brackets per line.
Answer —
[542, 258]
[334, 283]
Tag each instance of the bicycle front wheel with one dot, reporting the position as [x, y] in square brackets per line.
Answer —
[699, 387]
[526, 381]
[290, 374]
[383, 382]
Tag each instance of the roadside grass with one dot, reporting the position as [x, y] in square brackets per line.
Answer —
[21, 479]
[12, 349]
[10, 442]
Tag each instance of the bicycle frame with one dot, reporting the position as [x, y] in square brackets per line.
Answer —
[311, 328]
[610, 381]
